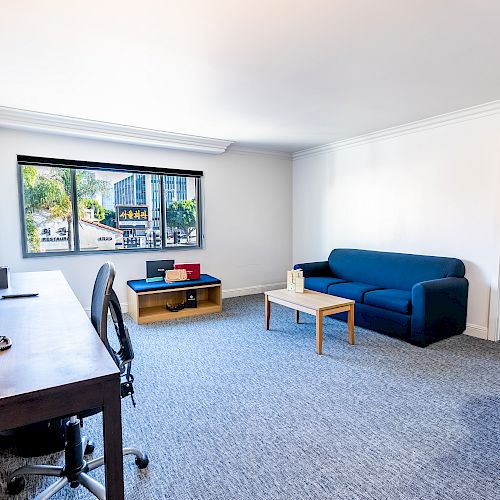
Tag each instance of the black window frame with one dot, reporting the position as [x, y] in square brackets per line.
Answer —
[73, 165]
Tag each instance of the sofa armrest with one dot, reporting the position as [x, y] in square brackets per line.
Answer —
[439, 309]
[314, 269]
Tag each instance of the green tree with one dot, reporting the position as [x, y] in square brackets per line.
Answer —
[33, 234]
[53, 193]
[182, 215]
[90, 203]
[87, 186]
[109, 218]
[42, 193]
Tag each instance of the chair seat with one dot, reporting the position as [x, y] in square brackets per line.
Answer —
[351, 290]
[393, 300]
[321, 283]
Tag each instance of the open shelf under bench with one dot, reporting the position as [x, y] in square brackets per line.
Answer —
[147, 304]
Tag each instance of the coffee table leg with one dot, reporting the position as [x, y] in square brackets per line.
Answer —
[297, 318]
[267, 306]
[319, 333]
[350, 324]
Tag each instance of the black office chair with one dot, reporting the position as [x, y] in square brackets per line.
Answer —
[76, 467]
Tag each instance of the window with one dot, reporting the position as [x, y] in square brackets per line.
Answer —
[116, 210]
[81, 207]
[48, 209]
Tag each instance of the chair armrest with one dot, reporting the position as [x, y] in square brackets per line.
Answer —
[314, 269]
[439, 309]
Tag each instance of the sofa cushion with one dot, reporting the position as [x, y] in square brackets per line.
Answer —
[381, 320]
[351, 290]
[392, 270]
[393, 300]
[320, 283]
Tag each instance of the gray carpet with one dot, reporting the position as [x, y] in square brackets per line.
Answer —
[227, 410]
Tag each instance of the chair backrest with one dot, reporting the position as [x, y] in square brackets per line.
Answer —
[104, 299]
[125, 354]
[100, 300]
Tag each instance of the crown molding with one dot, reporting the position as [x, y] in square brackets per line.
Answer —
[459, 116]
[259, 152]
[21, 119]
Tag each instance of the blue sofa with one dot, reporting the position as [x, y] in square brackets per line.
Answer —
[417, 298]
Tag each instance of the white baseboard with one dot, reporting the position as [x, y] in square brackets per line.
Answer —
[251, 290]
[480, 332]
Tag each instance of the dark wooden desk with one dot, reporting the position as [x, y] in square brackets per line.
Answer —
[57, 365]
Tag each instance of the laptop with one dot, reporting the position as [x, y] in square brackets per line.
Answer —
[156, 269]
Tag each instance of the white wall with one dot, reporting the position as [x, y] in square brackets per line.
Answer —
[248, 202]
[435, 191]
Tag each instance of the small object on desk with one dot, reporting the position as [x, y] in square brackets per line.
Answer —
[19, 295]
[192, 270]
[156, 269]
[5, 343]
[176, 275]
[4, 277]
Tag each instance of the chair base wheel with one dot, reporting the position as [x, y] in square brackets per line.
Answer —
[16, 485]
[89, 449]
[142, 463]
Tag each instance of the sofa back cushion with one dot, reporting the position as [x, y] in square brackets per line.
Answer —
[392, 270]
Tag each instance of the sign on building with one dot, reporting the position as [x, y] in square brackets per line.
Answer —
[132, 216]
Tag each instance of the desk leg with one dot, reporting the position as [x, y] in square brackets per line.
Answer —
[112, 429]
[319, 332]
[297, 316]
[350, 324]
[268, 311]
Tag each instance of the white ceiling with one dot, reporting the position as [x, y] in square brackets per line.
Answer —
[283, 75]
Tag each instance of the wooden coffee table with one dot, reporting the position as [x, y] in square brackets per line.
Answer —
[315, 303]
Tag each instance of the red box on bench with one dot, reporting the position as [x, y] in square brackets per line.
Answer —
[192, 270]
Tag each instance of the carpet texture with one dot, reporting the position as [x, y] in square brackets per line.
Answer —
[226, 410]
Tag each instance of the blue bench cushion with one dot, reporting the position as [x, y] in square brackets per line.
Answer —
[320, 283]
[351, 290]
[393, 300]
[143, 286]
